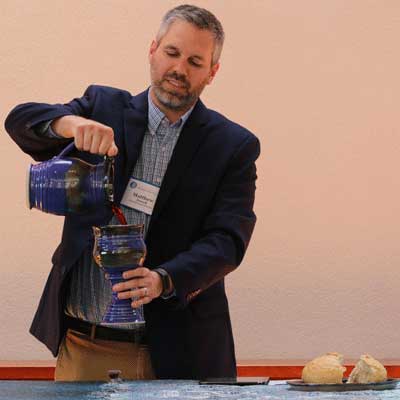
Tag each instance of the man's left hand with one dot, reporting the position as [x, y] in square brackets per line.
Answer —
[142, 284]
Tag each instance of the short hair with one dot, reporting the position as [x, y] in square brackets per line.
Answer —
[201, 18]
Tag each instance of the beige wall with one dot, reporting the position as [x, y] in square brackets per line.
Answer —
[318, 82]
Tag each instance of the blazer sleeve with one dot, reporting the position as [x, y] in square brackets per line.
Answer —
[226, 232]
[22, 120]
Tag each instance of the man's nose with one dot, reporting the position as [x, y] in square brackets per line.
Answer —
[180, 68]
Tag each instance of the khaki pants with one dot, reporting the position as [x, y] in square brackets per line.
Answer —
[83, 359]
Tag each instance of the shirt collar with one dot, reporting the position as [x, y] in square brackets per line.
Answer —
[156, 116]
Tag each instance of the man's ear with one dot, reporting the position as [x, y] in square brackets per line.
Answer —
[213, 72]
[153, 48]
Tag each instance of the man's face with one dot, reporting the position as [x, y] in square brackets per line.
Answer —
[180, 65]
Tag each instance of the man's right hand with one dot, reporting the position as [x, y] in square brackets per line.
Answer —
[88, 135]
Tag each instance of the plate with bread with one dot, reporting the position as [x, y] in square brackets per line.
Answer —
[325, 373]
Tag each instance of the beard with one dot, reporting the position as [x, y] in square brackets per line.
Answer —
[176, 100]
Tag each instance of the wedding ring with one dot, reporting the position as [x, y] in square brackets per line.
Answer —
[145, 291]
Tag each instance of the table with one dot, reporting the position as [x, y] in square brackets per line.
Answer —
[172, 390]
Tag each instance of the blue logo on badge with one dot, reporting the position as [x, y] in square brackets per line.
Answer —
[133, 184]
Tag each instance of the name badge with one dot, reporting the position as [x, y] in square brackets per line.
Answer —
[140, 195]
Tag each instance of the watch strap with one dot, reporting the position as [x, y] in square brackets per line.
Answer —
[165, 280]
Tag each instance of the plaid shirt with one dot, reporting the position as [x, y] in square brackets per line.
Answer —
[90, 293]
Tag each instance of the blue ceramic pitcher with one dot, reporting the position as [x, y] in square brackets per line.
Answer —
[68, 185]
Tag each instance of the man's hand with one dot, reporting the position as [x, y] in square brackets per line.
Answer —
[88, 135]
[143, 285]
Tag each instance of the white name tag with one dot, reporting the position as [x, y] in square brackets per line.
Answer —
[140, 195]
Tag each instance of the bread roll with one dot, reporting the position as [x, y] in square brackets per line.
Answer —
[368, 370]
[324, 369]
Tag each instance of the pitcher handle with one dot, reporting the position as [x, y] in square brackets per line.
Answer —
[108, 171]
[67, 150]
[109, 177]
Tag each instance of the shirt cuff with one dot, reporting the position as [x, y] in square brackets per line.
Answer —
[44, 129]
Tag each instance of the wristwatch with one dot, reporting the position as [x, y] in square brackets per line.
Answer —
[165, 280]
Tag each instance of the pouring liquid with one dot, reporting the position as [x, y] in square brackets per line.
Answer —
[119, 214]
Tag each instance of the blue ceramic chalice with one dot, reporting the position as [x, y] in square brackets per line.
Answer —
[119, 248]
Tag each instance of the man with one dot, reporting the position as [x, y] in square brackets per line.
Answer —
[203, 167]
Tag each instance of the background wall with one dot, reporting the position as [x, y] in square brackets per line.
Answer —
[318, 82]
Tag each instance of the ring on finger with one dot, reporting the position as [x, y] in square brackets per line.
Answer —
[146, 290]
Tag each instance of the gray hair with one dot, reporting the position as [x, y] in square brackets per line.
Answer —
[201, 18]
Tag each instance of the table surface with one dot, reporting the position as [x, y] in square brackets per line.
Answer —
[172, 390]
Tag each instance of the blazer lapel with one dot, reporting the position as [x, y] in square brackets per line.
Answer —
[185, 149]
[135, 124]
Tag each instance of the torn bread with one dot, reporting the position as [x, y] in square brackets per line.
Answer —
[368, 370]
[327, 368]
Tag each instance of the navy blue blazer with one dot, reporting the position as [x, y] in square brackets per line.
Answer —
[199, 231]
